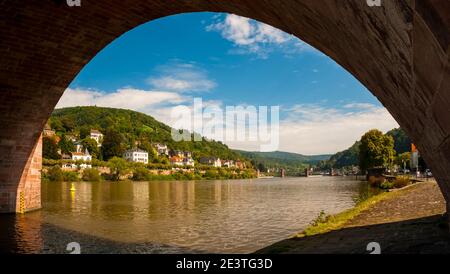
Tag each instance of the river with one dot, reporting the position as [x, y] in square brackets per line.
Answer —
[239, 216]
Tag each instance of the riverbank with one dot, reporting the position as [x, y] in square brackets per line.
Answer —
[408, 220]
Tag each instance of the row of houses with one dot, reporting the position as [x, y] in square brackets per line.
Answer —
[176, 157]
[217, 162]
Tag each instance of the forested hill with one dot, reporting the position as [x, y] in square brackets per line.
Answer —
[291, 161]
[132, 128]
[350, 156]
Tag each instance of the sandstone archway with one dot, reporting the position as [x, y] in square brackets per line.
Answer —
[399, 51]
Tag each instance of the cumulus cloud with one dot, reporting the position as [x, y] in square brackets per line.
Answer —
[250, 36]
[181, 77]
[314, 129]
[155, 103]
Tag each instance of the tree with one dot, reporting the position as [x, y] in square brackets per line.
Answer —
[85, 131]
[91, 175]
[376, 150]
[404, 159]
[118, 167]
[147, 146]
[50, 148]
[402, 142]
[68, 124]
[55, 174]
[92, 146]
[66, 145]
[112, 144]
[56, 125]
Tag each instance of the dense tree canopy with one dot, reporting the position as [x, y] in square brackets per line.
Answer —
[50, 148]
[124, 129]
[402, 142]
[376, 150]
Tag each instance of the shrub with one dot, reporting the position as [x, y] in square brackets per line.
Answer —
[320, 219]
[387, 185]
[376, 181]
[91, 175]
[118, 167]
[70, 176]
[55, 174]
[401, 181]
[141, 174]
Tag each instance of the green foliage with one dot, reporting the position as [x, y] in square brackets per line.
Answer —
[320, 219]
[91, 175]
[55, 174]
[292, 162]
[71, 176]
[376, 150]
[84, 132]
[128, 126]
[402, 142]
[350, 156]
[398, 182]
[118, 167]
[66, 145]
[92, 146]
[113, 144]
[141, 174]
[50, 148]
[404, 159]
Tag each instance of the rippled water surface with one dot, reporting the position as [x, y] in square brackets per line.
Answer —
[175, 217]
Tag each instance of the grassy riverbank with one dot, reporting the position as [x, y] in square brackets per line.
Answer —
[326, 223]
[409, 220]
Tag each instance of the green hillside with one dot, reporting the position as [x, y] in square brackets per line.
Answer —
[349, 157]
[130, 128]
[279, 159]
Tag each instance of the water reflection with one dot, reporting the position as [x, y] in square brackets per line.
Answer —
[209, 216]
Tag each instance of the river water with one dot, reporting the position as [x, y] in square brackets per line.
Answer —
[238, 216]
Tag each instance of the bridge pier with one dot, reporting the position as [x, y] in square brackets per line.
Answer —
[25, 195]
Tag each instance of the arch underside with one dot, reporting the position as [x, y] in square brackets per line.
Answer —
[399, 51]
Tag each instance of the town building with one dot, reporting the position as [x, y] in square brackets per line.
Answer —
[71, 137]
[415, 155]
[97, 136]
[188, 161]
[85, 157]
[136, 155]
[228, 163]
[78, 146]
[176, 161]
[240, 164]
[211, 161]
[48, 132]
[162, 149]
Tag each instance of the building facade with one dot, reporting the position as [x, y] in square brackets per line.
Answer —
[97, 136]
[136, 155]
[211, 161]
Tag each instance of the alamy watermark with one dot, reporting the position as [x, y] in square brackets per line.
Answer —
[374, 3]
[233, 124]
[73, 3]
[370, 3]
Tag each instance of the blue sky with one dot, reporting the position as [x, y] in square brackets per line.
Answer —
[231, 60]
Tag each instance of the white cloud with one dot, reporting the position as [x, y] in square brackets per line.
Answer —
[181, 77]
[250, 36]
[313, 129]
[155, 103]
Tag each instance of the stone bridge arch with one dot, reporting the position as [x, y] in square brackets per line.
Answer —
[399, 51]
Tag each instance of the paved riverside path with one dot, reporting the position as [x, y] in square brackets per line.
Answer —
[409, 223]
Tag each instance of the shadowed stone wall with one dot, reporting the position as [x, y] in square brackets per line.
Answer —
[399, 51]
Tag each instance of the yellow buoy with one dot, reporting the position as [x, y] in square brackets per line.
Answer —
[72, 188]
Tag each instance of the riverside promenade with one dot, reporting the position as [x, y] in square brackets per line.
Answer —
[408, 221]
